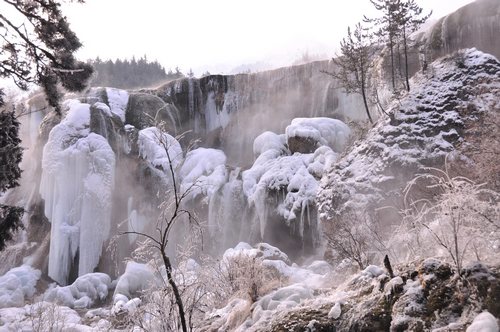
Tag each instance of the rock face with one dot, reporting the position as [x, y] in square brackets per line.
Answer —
[228, 112]
[420, 298]
[426, 126]
[474, 25]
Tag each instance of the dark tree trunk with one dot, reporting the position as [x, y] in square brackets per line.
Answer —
[406, 60]
[363, 93]
[391, 47]
[388, 267]
[177, 294]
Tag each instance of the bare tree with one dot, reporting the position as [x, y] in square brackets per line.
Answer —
[460, 216]
[354, 63]
[173, 212]
[354, 236]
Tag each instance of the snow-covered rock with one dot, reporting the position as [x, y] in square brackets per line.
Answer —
[153, 147]
[335, 312]
[118, 100]
[203, 172]
[137, 278]
[422, 128]
[17, 285]
[83, 293]
[318, 131]
[484, 322]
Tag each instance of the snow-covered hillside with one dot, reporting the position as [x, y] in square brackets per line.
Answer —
[255, 288]
[421, 130]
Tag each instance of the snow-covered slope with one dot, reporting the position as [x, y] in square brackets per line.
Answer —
[421, 130]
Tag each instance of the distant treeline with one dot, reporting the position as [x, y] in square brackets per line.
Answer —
[129, 74]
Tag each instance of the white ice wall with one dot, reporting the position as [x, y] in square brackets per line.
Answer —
[77, 183]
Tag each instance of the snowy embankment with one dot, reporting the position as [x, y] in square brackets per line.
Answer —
[423, 128]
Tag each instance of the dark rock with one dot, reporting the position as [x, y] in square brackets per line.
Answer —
[302, 144]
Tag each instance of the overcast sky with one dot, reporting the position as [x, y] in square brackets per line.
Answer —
[219, 34]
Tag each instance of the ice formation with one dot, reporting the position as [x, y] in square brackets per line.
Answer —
[118, 100]
[77, 184]
[153, 147]
[137, 278]
[83, 293]
[203, 172]
[294, 178]
[17, 285]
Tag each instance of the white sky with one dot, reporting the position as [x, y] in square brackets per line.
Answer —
[219, 34]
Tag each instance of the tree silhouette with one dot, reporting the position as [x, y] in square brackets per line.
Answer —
[38, 48]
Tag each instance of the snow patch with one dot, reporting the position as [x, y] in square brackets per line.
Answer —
[484, 322]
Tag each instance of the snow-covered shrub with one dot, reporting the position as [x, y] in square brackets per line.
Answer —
[242, 272]
[457, 214]
[354, 236]
[136, 279]
[157, 309]
[45, 316]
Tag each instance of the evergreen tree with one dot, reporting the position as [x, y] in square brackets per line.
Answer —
[38, 46]
[354, 63]
[399, 19]
[10, 156]
[409, 20]
[386, 28]
[129, 74]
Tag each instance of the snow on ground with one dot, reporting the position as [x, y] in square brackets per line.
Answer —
[18, 285]
[300, 285]
[423, 128]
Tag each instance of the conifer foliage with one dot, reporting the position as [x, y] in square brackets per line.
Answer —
[398, 20]
[10, 156]
[38, 48]
[130, 74]
[354, 63]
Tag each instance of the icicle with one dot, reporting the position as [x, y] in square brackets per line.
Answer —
[77, 183]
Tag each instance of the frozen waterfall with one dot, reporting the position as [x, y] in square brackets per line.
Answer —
[77, 184]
